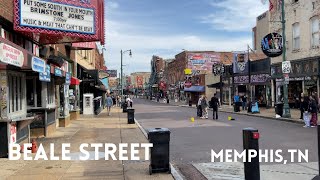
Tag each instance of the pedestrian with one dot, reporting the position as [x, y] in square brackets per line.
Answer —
[313, 109]
[199, 109]
[204, 107]
[109, 104]
[113, 100]
[131, 102]
[236, 100]
[244, 102]
[303, 105]
[215, 104]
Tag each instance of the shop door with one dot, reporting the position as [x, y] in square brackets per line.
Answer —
[3, 140]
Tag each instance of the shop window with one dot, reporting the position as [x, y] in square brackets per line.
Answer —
[314, 31]
[16, 92]
[34, 92]
[51, 94]
[296, 36]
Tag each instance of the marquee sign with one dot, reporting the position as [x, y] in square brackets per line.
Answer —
[60, 21]
[271, 45]
[56, 16]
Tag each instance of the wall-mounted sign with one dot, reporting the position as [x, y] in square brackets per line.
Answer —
[56, 16]
[286, 67]
[68, 78]
[241, 79]
[38, 64]
[11, 55]
[260, 78]
[46, 75]
[271, 45]
[57, 72]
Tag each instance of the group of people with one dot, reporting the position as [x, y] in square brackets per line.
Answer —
[203, 106]
[309, 108]
[112, 101]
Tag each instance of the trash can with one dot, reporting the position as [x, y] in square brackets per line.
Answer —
[124, 107]
[167, 100]
[249, 107]
[130, 116]
[190, 103]
[159, 153]
[279, 109]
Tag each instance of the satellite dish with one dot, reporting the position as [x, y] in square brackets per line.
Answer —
[264, 1]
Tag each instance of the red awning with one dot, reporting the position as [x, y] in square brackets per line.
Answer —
[74, 81]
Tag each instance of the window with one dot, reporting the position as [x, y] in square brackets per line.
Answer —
[314, 31]
[296, 36]
[50, 92]
[34, 92]
[16, 92]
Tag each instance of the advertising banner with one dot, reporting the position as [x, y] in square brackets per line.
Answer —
[202, 61]
[57, 72]
[112, 73]
[240, 62]
[46, 75]
[11, 55]
[139, 81]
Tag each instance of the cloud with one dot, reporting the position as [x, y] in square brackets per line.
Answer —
[143, 46]
[234, 15]
[112, 5]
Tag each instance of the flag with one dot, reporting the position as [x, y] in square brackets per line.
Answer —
[270, 5]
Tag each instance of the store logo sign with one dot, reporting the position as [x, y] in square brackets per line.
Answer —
[57, 72]
[11, 55]
[271, 45]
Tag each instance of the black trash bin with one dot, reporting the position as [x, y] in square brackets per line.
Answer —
[159, 160]
[249, 107]
[190, 103]
[279, 109]
[124, 107]
[130, 116]
[167, 100]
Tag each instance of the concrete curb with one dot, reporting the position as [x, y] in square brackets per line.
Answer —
[175, 174]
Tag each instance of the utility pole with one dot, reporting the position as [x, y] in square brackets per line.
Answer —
[286, 108]
[121, 85]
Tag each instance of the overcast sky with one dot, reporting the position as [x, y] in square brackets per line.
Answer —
[165, 27]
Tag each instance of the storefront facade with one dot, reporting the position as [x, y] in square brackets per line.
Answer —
[304, 78]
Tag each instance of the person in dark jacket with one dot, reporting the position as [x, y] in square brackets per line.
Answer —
[304, 104]
[313, 109]
[214, 104]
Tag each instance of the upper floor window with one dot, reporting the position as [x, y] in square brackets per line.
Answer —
[295, 36]
[314, 31]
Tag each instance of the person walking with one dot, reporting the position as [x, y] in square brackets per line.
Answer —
[109, 104]
[204, 107]
[199, 109]
[214, 104]
[303, 105]
[313, 109]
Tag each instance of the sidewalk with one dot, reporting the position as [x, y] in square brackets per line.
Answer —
[87, 129]
[264, 112]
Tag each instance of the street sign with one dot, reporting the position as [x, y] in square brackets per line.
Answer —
[286, 67]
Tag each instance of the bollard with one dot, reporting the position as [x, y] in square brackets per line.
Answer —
[318, 176]
[251, 141]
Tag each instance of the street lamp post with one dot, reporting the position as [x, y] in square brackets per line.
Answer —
[286, 108]
[121, 77]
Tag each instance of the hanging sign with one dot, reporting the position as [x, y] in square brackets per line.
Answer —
[38, 65]
[11, 55]
[46, 75]
[68, 78]
[286, 67]
[271, 45]
[57, 72]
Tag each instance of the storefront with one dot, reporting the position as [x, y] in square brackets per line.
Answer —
[302, 79]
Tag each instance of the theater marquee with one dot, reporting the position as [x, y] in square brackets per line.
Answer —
[56, 16]
[60, 21]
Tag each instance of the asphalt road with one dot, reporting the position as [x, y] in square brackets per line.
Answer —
[192, 142]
